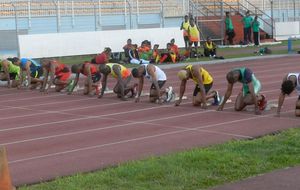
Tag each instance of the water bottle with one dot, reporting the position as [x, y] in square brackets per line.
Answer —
[290, 45]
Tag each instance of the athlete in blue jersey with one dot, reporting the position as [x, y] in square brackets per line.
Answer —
[32, 71]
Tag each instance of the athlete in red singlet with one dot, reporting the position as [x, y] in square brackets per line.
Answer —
[92, 72]
[59, 74]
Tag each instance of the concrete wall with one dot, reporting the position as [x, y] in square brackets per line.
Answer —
[81, 43]
[284, 30]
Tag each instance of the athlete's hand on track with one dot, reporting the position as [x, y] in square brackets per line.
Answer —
[220, 108]
[160, 102]
[124, 99]
[137, 99]
[257, 111]
[204, 106]
[177, 103]
[45, 92]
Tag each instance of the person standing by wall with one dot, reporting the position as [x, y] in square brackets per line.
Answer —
[229, 28]
[255, 27]
[247, 21]
[194, 37]
[184, 26]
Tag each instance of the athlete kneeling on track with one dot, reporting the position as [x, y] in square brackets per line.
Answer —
[204, 83]
[123, 76]
[32, 70]
[158, 78]
[249, 94]
[59, 75]
[9, 73]
[290, 82]
[92, 72]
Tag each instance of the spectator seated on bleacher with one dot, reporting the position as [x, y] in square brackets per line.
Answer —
[126, 49]
[168, 56]
[134, 56]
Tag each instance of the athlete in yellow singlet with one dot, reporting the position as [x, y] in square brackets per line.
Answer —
[185, 26]
[123, 76]
[203, 81]
[194, 36]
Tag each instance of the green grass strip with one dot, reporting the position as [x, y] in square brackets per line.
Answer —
[191, 170]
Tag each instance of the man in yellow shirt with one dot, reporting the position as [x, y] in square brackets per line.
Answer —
[203, 81]
[185, 26]
[194, 37]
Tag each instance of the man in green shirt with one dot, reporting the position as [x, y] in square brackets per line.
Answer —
[247, 21]
[255, 27]
[229, 28]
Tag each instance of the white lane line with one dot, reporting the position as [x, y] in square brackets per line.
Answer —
[126, 141]
[8, 94]
[148, 122]
[86, 107]
[47, 96]
[132, 123]
[79, 119]
[90, 117]
[195, 129]
[31, 98]
[44, 112]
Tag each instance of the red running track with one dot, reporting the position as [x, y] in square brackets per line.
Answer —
[56, 135]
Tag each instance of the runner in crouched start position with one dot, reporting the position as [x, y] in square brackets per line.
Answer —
[290, 83]
[158, 78]
[92, 72]
[59, 75]
[123, 76]
[203, 81]
[9, 73]
[249, 94]
[32, 70]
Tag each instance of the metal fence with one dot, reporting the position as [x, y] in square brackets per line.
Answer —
[97, 14]
[211, 13]
[210, 19]
[55, 16]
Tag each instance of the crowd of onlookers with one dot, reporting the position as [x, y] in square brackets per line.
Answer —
[152, 53]
[250, 26]
[148, 53]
